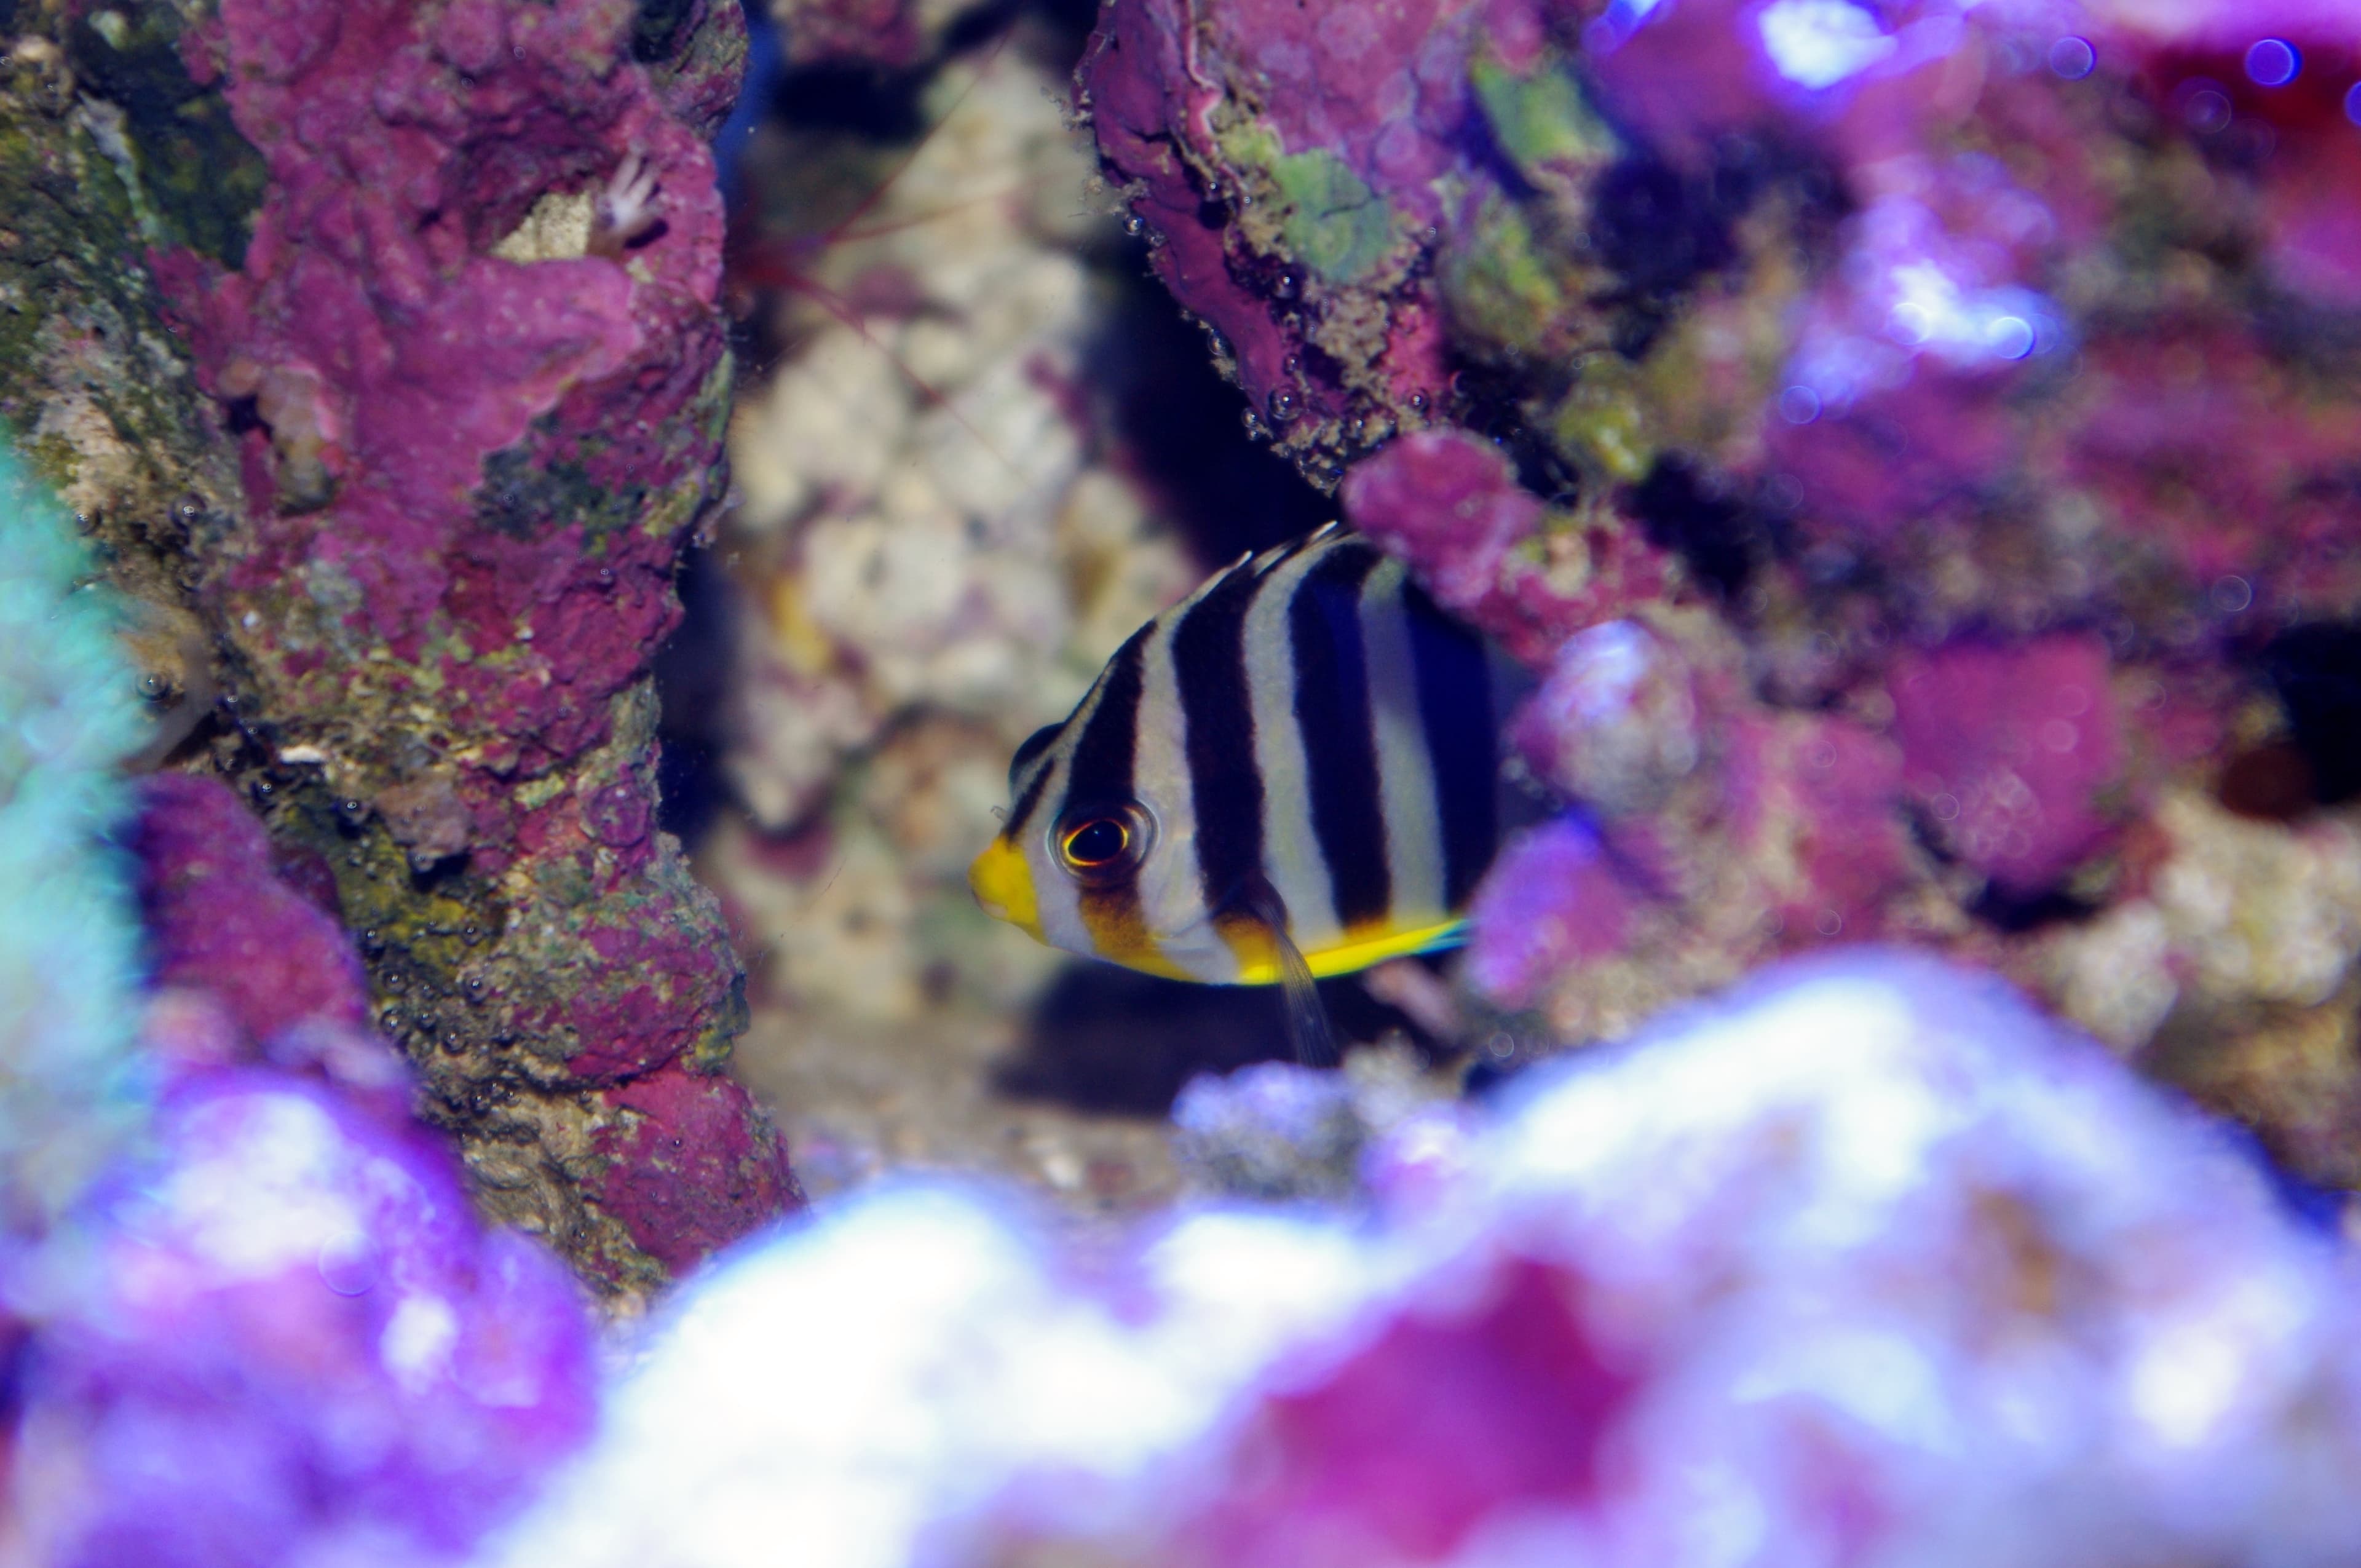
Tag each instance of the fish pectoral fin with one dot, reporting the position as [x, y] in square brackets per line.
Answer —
[1307, 1016]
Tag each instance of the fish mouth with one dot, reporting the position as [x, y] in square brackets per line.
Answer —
[1004, 887]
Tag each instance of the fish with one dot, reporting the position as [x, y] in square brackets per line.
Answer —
[1294, 773]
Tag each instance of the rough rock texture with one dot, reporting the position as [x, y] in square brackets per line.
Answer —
[407, 480]
[1276, 1131]
[1870, 1265]
[1916, 441]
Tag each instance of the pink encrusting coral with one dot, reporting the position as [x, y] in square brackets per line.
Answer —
[1866, 1264]
[1949, 408]
[474, 354]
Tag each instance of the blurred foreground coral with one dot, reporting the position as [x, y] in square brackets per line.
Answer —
[1868, 1265]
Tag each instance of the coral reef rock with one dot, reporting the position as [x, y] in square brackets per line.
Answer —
[406, 482]
[1916, 440]
[1867, 1262]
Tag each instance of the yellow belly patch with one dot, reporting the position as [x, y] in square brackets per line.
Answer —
[1362, 947]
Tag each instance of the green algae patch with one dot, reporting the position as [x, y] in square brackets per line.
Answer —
[1328, 218]
[1601, 423]
[1336, 224]
[1541, 120]
[1501, 287]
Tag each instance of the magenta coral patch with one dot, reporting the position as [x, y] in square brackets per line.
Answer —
[690, 1167]
[2010, 752]
[1490, 1403]
[219, 921]
[1555, 897]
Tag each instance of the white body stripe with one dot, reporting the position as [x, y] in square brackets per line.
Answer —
[1406, 779]
[1056, 900]
[1172, 886]
[1290, 847]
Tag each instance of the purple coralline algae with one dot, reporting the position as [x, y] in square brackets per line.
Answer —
[1868, 1263]
[469, 351]
[296, 1341]
[217, 922]
[1914, 443]
[276, 1331]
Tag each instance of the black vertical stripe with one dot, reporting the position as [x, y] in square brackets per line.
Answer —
[1455, 706]
[1022, 812]
[1209, 654]
[1340, 745]
[1100, 772]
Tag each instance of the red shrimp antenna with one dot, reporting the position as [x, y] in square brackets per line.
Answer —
[776, 262]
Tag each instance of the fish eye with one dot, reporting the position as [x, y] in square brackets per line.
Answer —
[1097, 842]
[1100, 846]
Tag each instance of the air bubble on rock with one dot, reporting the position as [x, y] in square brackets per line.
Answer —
[348, 1264]
[2205, 110]
[2009, 337]
[2073, 58]
[1286, 286]
[153, 686]
[1134, 225]
[1254, 425]
[2273, 62]
[1284, 406]
[1418, 402]
[352, 809]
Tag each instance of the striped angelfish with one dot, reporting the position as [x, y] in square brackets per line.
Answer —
[1292, 773]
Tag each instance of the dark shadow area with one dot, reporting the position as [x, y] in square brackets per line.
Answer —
[692, 674]
[2018, 913]
[1180, 429]
[1723, 539]
[2316, 669]
[1117, 1042]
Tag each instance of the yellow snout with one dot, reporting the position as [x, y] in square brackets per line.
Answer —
[1004, 885]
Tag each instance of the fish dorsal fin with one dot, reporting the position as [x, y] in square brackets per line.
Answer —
[1307, 1017]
